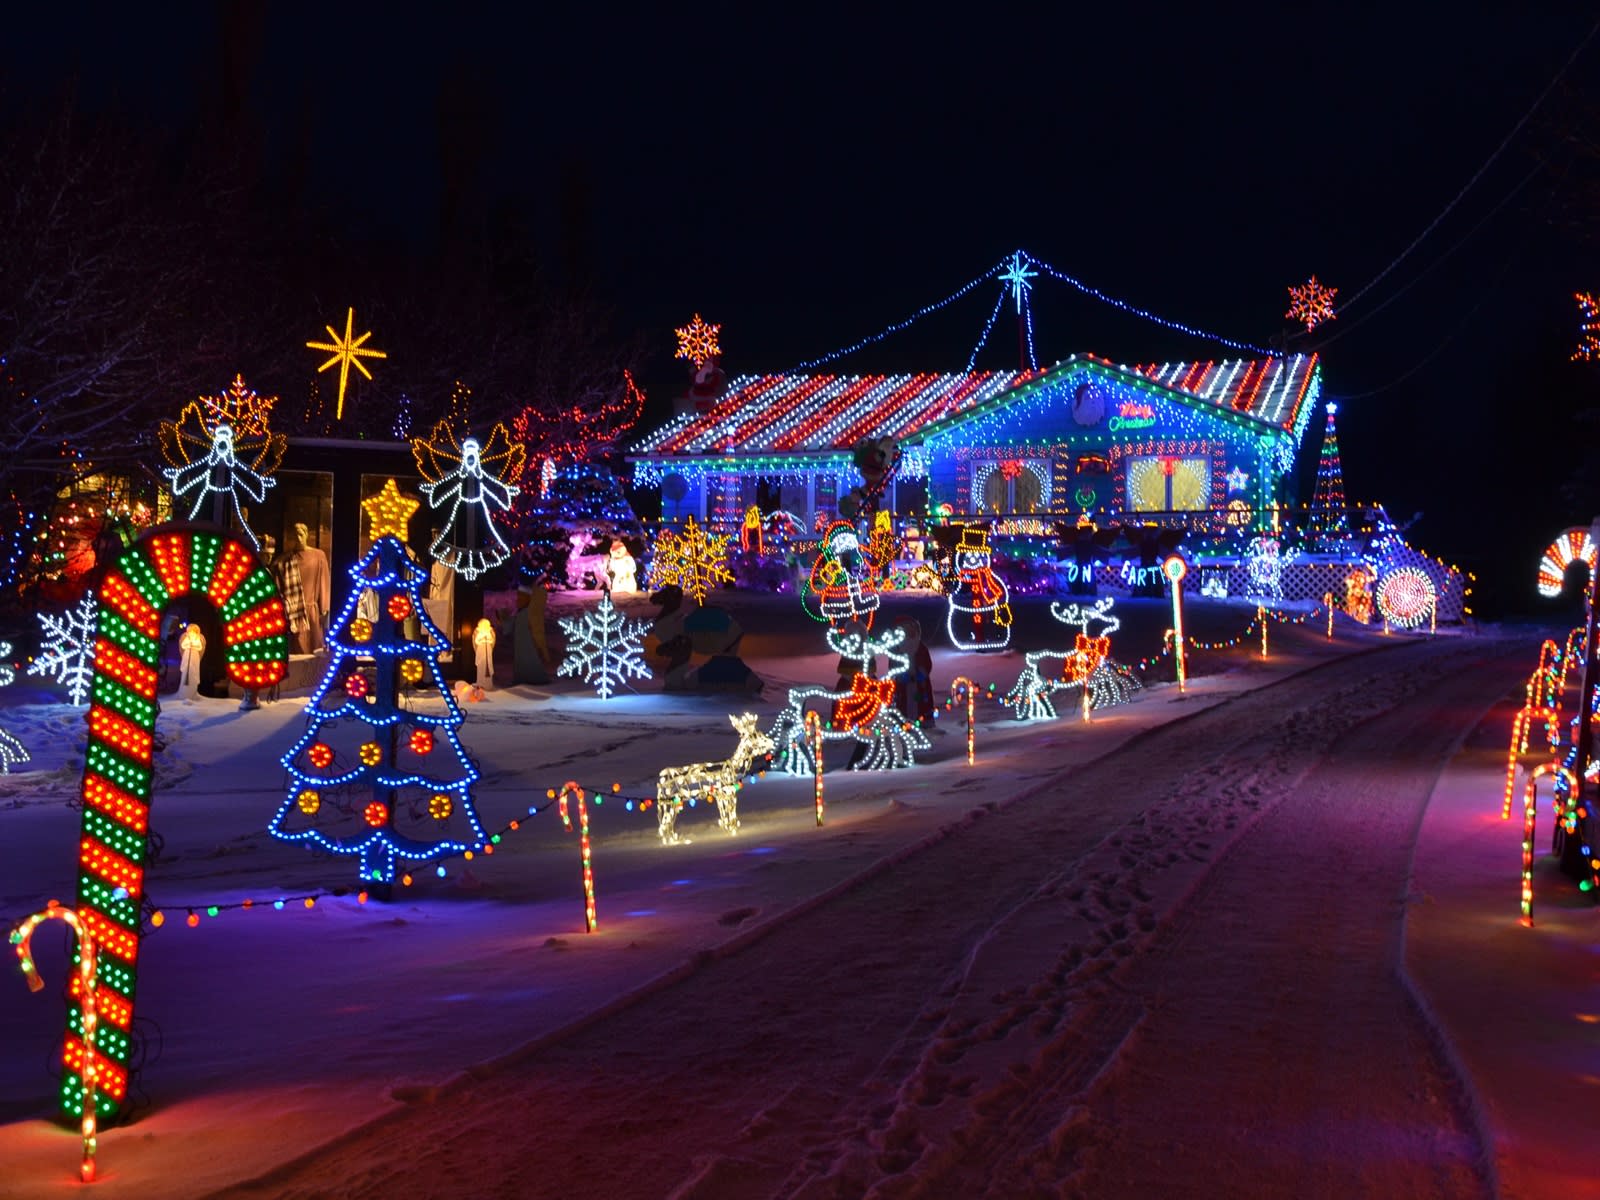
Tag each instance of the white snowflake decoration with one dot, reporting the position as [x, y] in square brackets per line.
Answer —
[605, 647]
[11, 750]
[67, 651]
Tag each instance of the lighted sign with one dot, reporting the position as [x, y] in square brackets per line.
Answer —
[1132, 414]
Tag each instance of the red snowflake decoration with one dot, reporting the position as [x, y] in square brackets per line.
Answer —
[1588, 327]
[1312, 303]
[697, 341]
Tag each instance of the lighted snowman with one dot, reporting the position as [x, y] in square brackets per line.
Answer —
[980, 616]
[622, 568]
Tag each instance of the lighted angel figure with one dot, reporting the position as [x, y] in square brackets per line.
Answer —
[467, 483]
[216, 462]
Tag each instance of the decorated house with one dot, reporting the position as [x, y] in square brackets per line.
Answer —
[1198, 445]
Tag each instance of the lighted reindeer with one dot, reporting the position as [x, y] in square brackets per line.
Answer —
[1086, 665]
[866, 712]
[719, 781]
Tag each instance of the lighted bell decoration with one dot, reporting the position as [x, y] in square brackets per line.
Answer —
[192, 648]
[483, 645]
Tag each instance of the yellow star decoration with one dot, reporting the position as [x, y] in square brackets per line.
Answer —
[347, 352]
[390, 512]
[697, 341]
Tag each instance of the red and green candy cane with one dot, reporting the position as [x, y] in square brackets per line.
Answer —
[165, 565]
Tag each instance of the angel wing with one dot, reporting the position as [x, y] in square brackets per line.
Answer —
[187, 440]
[502, 457]
[437, 455]
[262, 452]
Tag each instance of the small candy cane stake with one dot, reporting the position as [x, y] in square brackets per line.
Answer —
[1261, 616]
[1327, 600]
[962, 685]
[813, 724]
[1530, 797]
[88, 998]
[571, 788]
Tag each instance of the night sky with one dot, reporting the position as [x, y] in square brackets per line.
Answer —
[807, 176]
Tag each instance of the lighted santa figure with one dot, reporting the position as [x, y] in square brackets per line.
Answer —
[842, 590]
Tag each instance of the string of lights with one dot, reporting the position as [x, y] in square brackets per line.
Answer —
[1476, 175]
[899, 325]
[988, 325]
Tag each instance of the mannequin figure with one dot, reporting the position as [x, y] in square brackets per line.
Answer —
[316, 581]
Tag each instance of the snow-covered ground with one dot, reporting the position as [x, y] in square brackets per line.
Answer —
[273, 1033]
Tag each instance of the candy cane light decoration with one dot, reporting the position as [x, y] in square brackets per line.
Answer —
[813, 728]
[163, 566]
[1530, 797]
[86, 987]
[570, 788]
[959, 686]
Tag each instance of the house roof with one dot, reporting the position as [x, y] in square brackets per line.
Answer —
[824, 413]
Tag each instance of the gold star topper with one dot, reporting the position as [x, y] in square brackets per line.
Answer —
[697, 341]
[347, 351]
[390, 512]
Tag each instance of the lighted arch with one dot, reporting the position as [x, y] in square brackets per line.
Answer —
[1570, 547]
[164, 565]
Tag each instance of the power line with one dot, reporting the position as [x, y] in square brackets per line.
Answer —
[1476, 175]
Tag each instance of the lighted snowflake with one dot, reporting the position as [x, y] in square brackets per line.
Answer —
[66, 652]
[242, 407]
[694, 560]
[1588, 326]
[7, 675]
[697, 341]
[11, 751]
[605, 647]
[1312, 303]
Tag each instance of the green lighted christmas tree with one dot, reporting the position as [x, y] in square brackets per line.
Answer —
[1329, 526]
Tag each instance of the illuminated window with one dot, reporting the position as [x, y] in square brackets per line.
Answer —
[1168, 484]
[1009, 486]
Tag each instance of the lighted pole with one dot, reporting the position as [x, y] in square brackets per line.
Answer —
[1175, 569]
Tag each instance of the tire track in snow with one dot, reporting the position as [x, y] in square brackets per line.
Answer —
[865, 1042]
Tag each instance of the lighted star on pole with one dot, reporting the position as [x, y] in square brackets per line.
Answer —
[1312, 303]
[1016, 277]
[697, 341]
[347, 352]
[390, 512]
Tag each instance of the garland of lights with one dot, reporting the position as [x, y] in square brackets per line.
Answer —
[87, 990]
[386, 785]
[469, 483]
[865, 713]
[605, 647]
[162, 566]
[719, 781]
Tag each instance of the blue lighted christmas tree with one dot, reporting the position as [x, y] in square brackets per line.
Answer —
[370, 775]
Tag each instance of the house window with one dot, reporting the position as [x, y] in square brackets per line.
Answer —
[1011, 485]
[1167, 483]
